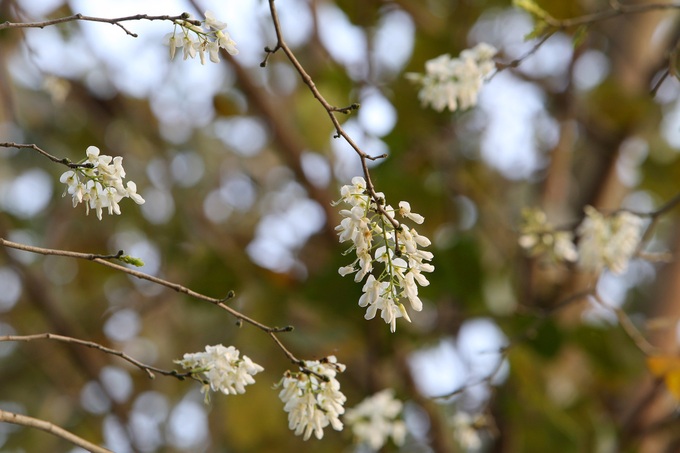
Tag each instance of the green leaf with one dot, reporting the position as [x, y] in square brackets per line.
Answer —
[580, 35]
[132, 260]
[532, 8]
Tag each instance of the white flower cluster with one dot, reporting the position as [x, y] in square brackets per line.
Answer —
[313, 403]
[604, 241]
[540, 238]
[222, 369]
[609, 241]
[465, 431]
[397, 252]
[101, 185]
[374, 420]
[454, 83]
[195, 39]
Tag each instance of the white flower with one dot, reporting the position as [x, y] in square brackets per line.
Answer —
[540, 238]
[222, 369]
[189, 46]
[173, 43]
[312, 403]
[465, 433]
[398, 252]
[355, 194]
[196, 39]
[224, 41]
[454, 83]
[112, 199]
[100, 185]
[405, 211]
[608, 242]
[374, 420]
[131, 191]
[212, 22]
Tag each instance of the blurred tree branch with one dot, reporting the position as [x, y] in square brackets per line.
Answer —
[24, 420]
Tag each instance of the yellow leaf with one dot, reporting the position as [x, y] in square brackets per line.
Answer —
[668, 368]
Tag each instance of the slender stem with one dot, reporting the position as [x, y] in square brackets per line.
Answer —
[116, 21]
[627, 326]
[330, 110]
[159, 281]
[24, 420]
[50, 336]
[55, 159]
[617, 9]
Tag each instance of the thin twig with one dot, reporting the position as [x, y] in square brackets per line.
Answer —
[617, 9]
[184, 17]
[64, 161]
[50, 336]
[627, 326]
[159, 281]
[516, 62]
[24, 420]
[330, 110]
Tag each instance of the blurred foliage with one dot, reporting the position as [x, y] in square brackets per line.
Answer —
[572, 381]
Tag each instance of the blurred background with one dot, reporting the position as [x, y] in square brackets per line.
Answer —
[238, 166]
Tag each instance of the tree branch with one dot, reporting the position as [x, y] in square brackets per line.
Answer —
[63, 161]
[159, 281]
[24, 420]
[330, 110]
[50, 336]
[184, 17]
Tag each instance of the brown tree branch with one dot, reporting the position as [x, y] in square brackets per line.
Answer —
[63, 161]
[331, 111]
[150, 370]
[184, 17]
[271, 331]
[24, 420]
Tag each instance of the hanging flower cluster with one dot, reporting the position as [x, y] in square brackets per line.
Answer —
[195, 39]
[222, 369]
[395, 251]
[313, 402]
[375, 419]
[604, 241]
[100, 185]
[454, 83]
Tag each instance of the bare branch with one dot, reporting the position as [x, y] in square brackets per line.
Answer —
[63, 161]
[50, 336]
[24, 420]
[627, 326]
[159, 281]
[617, 9]
[184, 17]
[330, 110]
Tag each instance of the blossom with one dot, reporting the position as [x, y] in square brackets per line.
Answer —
[212, 22]
[608, 241]
[312, 397]
[222, 368]
[465, 432]
[540, 238]
[99, 183]
[454, 83]
[374, 420]
[197, 41]
[377, 237]
[405, 211]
